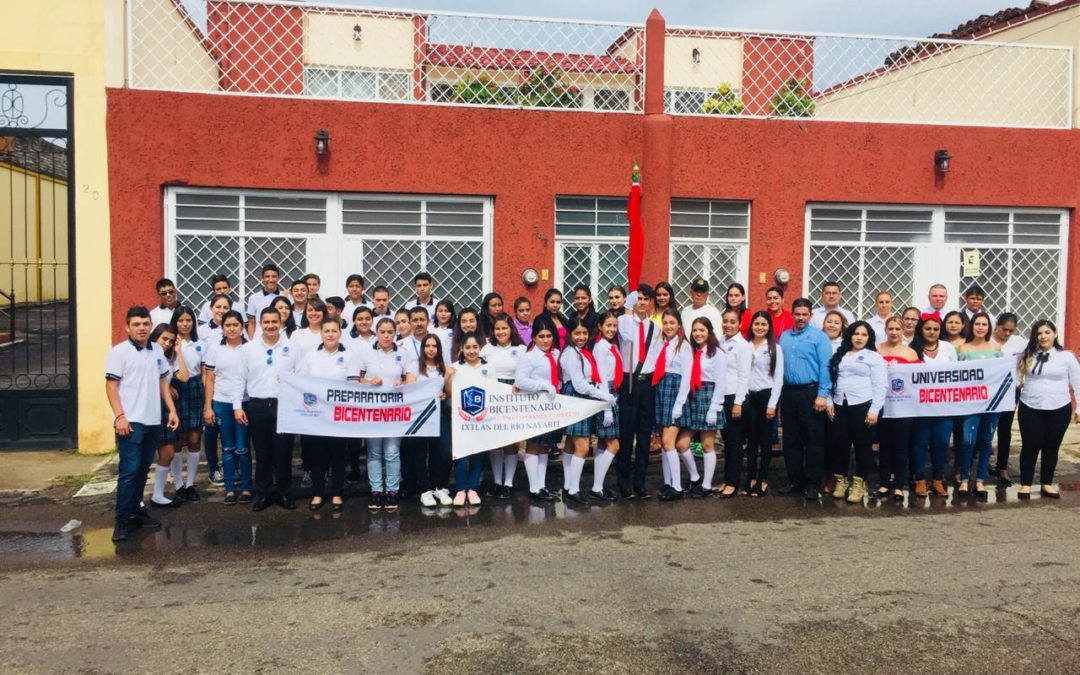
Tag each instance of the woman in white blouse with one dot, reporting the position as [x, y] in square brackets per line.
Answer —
[501, 352]
[858, 394]
[930, 435]
[740, 357]
[766, 381]
[701, 399]
[538, 371]
[1050, 378]
[223, 379]
[671, 371]
[609, 362]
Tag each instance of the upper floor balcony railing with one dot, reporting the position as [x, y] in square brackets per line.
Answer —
[285, 48]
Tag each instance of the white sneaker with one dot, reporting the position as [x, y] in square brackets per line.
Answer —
[443, 495]
[428, 498]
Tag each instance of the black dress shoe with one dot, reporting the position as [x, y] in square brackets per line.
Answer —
[262, 503]
[811, 493]
[542, 495]
[286, 502]
[143, 519]
[230, 499]
[576, 498]
[627, 494]
[191, 494]
[1003, 479]
[642, 493]
[698, 492]
[601, 495]
[505, 492]
[120, 532]
[670, 494]
[790, 488]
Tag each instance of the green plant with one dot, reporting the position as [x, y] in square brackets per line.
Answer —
[479, 90]
[723, 102]
[543, 88]
[792, 100]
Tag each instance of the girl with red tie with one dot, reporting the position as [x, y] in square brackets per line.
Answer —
[538, 370]
[580, 378]
[609, 363]
[672, 369]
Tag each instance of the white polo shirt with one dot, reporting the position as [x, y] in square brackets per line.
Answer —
[259, 301]
[263, 364]
[503, 360]
[342, 364]
[429, 306]
[161, 314]
[709, 311]
[303, 342]
[390, 366]
[192, 353]
[139, 371]
[228, 373]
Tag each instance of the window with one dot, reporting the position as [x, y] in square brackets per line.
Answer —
[357, 84]
[708, 238]
[590, 244]
[386, 238]
[685, 101]
[611, 99]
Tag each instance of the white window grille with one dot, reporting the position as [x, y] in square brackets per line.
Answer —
[611, 99]
[711, 239]
[685, 101]
[904, 250]
[590, 244]
[356, 84]
[386, 238]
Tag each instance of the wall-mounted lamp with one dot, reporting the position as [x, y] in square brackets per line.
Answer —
[941, 161]
[322, 142]
[781, 276]
[530, 277]
[357, 33]
[695, 55]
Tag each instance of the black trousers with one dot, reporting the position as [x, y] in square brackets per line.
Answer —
[1004, 432]
[326, 452]
[894, 446]
[758, 435]
[636, 405]
[273, 451]
[849, 431]
[352, 448]
[1041, 432]
[428, 460]
[734, 435]
[804, 434]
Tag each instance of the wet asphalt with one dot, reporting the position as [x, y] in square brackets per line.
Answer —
[773, 584]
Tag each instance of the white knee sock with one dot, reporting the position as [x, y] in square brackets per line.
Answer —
[175, 468]
[672, 460]
[566, 463]
[161, 474]
[192, 466]
[495, 457]
[577, 465]
[510, 463]
[600, 468]
[541, 474]
[708, 462]
[665, 466]
[691, 466]
[532, 468]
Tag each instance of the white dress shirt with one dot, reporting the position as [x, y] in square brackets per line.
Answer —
[628, 333]
[817, 316]
[1047, 384]
[263, 365]
[878, 324]
[713, 369]
[861, 377]
[759, 373]
[575, 369]
[533, 372]
[605, 360]
[739, 357]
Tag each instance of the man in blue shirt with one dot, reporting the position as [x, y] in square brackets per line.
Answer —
[806, 385]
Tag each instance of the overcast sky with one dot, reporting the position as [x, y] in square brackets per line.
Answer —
[916, 18]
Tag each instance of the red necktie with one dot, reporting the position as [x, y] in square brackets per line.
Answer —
[661, 365]
[695, 371]
[618, 367]
[641, 342]
[554, 370]
[594, 374]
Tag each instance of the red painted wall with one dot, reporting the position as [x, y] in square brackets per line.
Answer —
[769, 63]
[524, 158]
[258, 48]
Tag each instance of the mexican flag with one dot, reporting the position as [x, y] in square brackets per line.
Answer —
[636, 253]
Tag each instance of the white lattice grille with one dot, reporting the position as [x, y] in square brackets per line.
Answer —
[597, 265]
[200, 257]
[862, 271]
[866, 78]
[301, 49]
[290, 255]
[717, 263]
[459, 266]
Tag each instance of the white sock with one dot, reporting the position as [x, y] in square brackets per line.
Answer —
[495, 457]
[672, 460]
[691, 466]
[532, 468]
[541, 474]
[708, 461]
[161, 474]
[567, 461]
[192, 466]
[600, 468]
[577, 465]
[664, 465]
[175, 468]
[510, 463]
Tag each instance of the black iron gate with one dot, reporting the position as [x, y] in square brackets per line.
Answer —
[37, 272]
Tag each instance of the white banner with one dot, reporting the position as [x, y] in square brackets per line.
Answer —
[487, 414]
[951, 389]
[320, 407]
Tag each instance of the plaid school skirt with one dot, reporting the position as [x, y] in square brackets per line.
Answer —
[598, 420]
[697, 407]
[667, 390]
[166, 436]
[189, 407]
[585, 426]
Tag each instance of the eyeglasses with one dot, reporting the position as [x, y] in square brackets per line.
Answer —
[269, 356]
[165, 294]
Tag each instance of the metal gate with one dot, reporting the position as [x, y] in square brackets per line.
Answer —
[37, 282]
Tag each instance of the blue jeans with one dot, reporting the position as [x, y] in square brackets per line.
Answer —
[467, 471]
[978, 436]
[931, 435]
[210, 439]
[380, 451]
[234, 447]
[136, 452]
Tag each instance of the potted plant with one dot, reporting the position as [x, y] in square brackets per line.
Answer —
[792, 100]
[723, 101]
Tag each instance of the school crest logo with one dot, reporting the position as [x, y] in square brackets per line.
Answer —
[310, 401]
[473, 404]
[897, 385]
